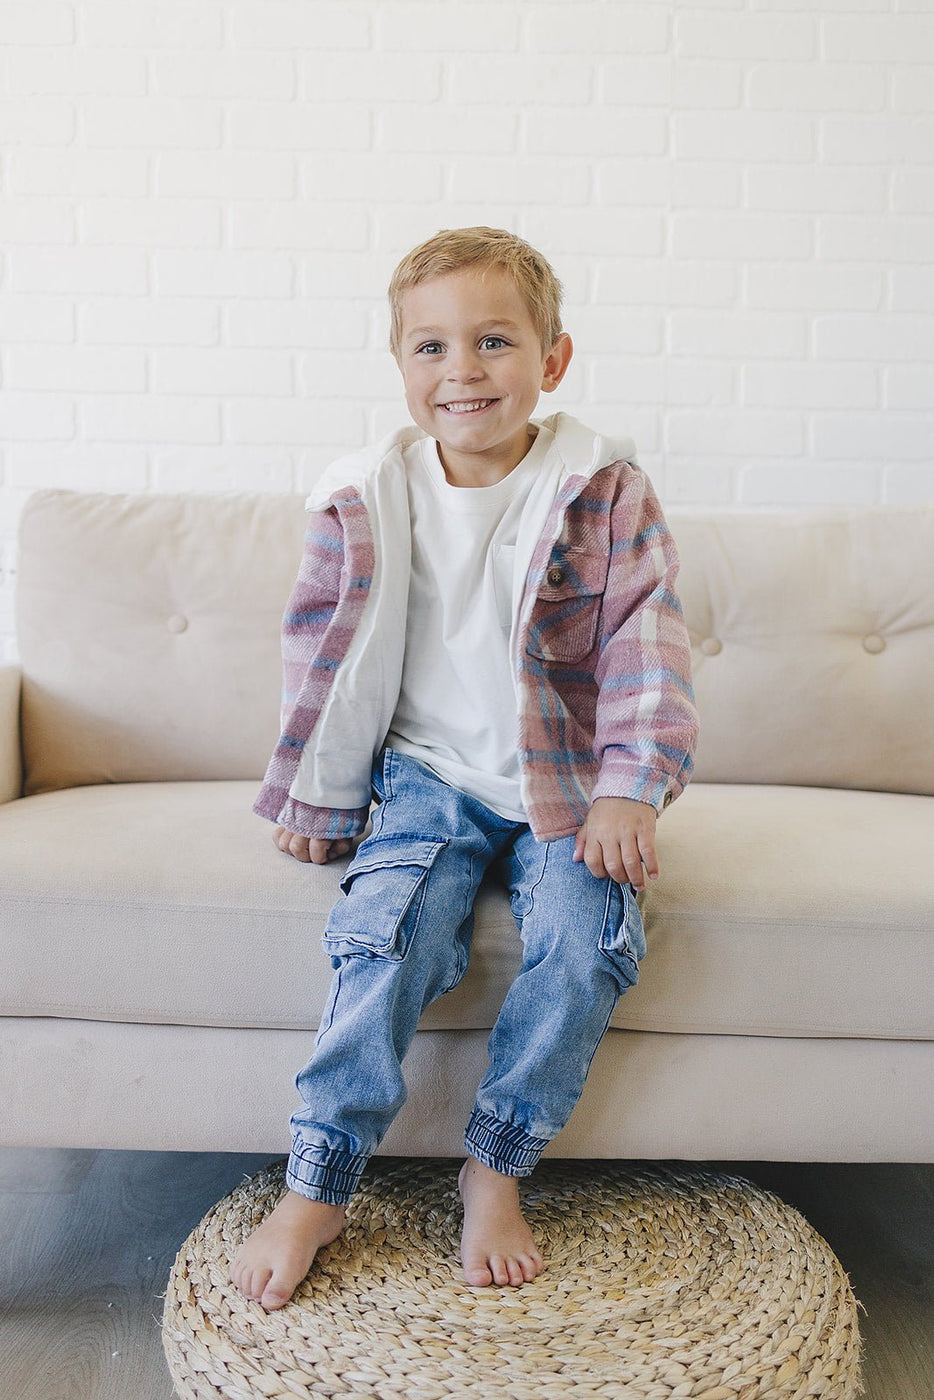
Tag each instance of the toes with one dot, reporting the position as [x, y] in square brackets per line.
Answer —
[277, 1290]
[477, 1274]
[272, 1299]
[258, 1282]
[240, 1274]
[505, 1270]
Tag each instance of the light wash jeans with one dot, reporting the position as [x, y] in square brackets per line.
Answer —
[400, 938]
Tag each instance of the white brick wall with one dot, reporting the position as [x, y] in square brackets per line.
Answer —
[201, 205]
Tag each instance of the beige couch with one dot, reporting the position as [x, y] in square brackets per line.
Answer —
[161, 969]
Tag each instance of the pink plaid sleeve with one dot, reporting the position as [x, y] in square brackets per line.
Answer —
[646, 721]
[319, 622]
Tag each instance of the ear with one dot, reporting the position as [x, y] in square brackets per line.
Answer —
[556, 362]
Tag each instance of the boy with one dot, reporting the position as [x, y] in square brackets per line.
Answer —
[476, 568]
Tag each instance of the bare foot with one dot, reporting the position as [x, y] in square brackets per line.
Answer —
[497, 1244]
[271, 1264]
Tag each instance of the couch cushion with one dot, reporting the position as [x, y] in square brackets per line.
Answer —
[783, 911]
[149, 634]
[812, 635]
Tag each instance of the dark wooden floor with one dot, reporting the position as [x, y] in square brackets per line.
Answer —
[89, 1239]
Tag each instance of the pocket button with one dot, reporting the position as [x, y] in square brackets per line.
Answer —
[555, 576]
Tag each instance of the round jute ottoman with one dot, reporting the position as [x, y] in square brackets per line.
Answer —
[662, 1282]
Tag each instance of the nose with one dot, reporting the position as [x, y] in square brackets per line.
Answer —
[464, 365]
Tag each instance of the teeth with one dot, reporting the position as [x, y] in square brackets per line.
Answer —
[470, 407]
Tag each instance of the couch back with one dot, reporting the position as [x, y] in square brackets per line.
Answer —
[149, 638]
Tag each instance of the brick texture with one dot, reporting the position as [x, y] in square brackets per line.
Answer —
[202, 204]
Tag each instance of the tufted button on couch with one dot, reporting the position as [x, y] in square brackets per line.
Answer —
[162, 971]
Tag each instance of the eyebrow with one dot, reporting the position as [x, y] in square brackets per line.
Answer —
[434, 330]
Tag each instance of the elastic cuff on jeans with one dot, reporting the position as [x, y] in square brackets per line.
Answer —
[503, 1146]
[322, 1175]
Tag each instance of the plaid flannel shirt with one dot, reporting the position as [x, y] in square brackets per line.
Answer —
[602, 656]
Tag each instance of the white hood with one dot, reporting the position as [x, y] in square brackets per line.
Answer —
[582, 450]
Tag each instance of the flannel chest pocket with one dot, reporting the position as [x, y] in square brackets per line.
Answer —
[384, 890]
[566, 611]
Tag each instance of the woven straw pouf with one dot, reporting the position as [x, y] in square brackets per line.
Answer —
[662, 1282]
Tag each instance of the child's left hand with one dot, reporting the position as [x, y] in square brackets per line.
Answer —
[617, 840]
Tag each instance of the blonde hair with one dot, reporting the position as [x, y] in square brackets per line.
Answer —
[452, 249]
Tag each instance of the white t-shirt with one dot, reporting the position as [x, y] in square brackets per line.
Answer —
[457, 708]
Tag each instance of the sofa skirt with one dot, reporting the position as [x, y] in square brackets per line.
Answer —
[95, 1084]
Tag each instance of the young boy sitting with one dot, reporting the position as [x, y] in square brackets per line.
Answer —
[485, 638]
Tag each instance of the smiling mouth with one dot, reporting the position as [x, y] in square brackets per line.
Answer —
[459, 408]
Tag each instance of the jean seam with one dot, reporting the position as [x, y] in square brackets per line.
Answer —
[461, 963]
[536, 883]
[599, 1042]
[332, 1003]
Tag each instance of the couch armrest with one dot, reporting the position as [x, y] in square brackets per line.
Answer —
[11, 755]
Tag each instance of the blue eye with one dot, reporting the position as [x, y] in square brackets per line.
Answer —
[497, 341]
[431, 347]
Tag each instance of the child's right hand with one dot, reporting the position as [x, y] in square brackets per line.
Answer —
[305, 848]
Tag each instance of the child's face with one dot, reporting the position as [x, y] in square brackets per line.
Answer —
[473, 367]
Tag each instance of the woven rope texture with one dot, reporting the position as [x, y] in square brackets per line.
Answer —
[662, 1282]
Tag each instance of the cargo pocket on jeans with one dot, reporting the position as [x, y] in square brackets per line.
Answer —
[622, 938]
[384, 889]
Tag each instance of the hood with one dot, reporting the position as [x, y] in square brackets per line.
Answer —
[582, 451]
